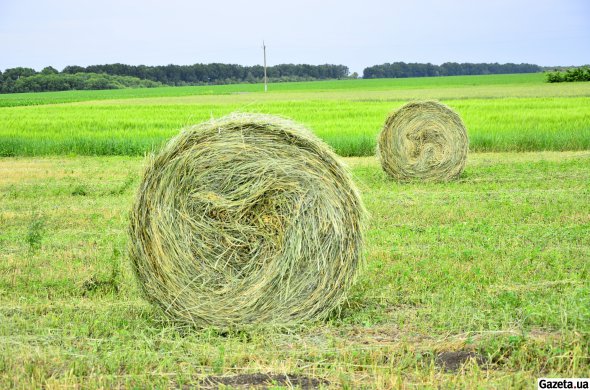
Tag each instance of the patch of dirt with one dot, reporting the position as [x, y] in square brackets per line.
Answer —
[453, 360]
[262, 381]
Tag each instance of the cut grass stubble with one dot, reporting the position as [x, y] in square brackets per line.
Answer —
[493, 264]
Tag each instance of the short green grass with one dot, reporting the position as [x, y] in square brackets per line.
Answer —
[495, 263]
[502, 113]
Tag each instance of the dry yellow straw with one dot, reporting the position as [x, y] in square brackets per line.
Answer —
[247, 219]
[423, 141]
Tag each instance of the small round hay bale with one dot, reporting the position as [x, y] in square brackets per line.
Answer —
[248, 219]
[424, 141]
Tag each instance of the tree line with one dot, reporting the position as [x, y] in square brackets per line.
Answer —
[23, 80]
[110, 76]
[217, 73]
[402, 69]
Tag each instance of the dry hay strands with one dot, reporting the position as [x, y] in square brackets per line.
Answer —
[423, 141]
[249, 219]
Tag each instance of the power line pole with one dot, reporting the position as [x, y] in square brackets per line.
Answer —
[265, 80]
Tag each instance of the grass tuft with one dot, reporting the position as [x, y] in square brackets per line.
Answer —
[34, 237]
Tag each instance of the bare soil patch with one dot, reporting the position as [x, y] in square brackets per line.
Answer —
[262, 381]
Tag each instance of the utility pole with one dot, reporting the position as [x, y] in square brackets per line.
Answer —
[265, 80]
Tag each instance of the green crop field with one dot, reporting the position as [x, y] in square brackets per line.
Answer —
[523, 80]
[479, 283]
[502, 113]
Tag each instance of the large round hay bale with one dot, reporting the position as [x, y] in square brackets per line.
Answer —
[424, 141]
[247, 219]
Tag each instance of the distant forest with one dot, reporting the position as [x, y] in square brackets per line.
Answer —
[402, 69]
[112, 76]
[78, 77]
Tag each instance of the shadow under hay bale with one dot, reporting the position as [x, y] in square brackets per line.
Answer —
[423, 141]
[249, 219]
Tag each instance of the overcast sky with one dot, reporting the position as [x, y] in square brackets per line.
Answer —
[37, 33]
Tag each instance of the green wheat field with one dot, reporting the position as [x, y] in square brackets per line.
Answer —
[501, 112]
[482, 282]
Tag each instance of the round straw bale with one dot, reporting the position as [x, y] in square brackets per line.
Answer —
[248, 219]
[424, 141]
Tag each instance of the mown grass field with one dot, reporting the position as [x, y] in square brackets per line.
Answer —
[491, 271]
[483, 282]
[502, 113]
